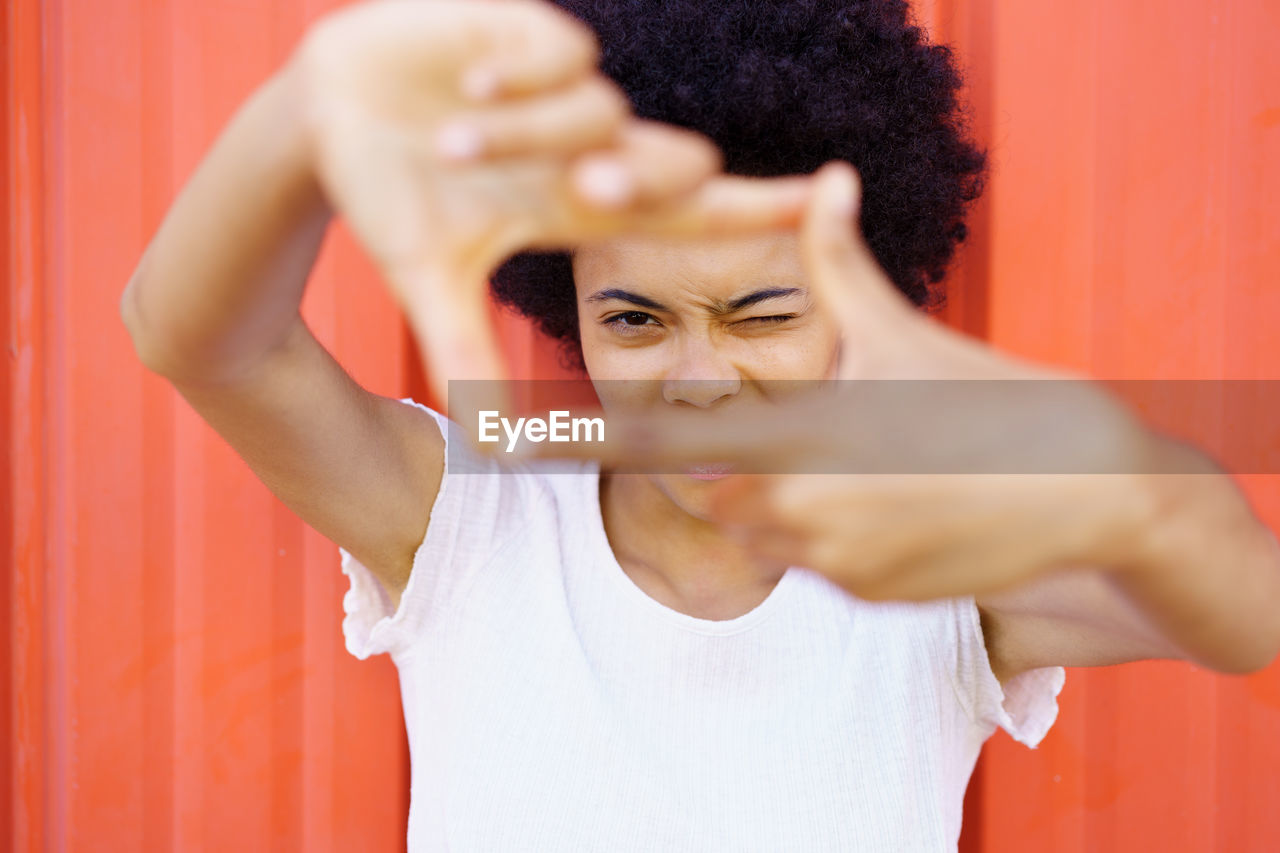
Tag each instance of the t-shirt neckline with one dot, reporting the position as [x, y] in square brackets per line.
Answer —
[598, 542]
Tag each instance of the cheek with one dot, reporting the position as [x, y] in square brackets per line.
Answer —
[804, 354]
[621, 376]
[608, 369]
[608, 359]
[824, 354]
[618, 394]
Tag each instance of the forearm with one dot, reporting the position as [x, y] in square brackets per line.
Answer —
[1205, 571]
[222, 279]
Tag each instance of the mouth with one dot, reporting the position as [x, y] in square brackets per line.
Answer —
[711, 471]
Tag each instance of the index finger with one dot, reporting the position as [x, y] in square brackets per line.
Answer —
[538, 48]
[681, 441]
[729, 205]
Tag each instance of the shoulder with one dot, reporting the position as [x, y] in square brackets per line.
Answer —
[487, 518]
[996, 692]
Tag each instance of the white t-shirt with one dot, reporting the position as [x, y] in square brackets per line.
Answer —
[552, 705]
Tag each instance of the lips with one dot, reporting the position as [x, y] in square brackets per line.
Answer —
[715, 471]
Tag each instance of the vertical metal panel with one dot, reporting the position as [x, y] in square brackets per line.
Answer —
[1128, 232]
[175, 672]
[175, 676]
[27, 741]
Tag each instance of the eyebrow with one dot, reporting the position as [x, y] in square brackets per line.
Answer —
[625, 296]
[730, 307]
[755, 297]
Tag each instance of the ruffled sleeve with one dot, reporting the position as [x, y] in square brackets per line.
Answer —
[460, 534]
[1025, 707]
[371, 626]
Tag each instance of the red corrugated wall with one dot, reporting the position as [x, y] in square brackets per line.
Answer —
[174, 672]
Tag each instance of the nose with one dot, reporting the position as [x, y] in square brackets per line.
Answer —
[701, 377]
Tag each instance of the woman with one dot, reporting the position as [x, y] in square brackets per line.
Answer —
[590, 661]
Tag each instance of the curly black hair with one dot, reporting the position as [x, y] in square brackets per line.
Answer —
[782, 87]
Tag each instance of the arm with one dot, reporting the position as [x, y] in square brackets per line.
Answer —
[357, 123]
[1074, 569]
[1196, 577]
[213, 306]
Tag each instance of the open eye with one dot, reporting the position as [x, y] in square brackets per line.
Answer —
[628, 320]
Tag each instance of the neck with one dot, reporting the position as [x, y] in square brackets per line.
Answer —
[682, 561]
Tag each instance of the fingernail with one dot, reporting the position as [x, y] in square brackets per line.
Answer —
[846, 204]
[604, 182]
[847, 207]
[459, 142]
[479, 84]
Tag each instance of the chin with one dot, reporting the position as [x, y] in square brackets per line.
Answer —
[691, 493]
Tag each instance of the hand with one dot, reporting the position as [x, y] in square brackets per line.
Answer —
[452, 133]
[957, 499]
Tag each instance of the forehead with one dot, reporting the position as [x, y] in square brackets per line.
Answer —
[721, 265]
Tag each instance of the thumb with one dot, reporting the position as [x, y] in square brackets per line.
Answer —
[843, 272]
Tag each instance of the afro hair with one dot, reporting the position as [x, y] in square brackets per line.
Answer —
[782, 87]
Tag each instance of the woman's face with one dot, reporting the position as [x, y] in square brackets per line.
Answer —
[698, 325]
